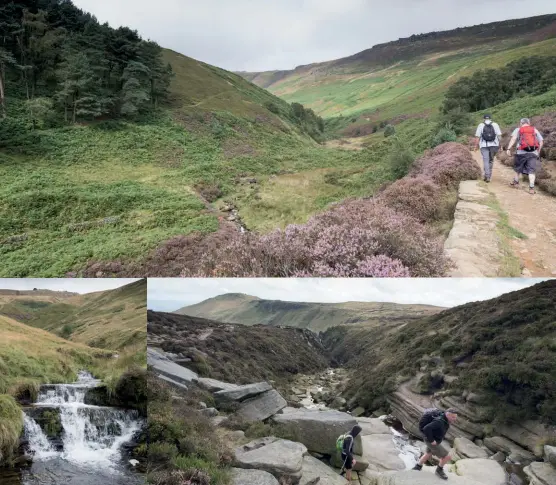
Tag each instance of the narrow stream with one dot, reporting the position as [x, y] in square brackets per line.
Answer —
[89, 449]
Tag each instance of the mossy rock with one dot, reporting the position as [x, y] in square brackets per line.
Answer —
[131, 390]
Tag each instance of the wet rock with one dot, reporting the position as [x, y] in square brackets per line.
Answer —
[358, 411]
[262, 406]
[485, 471]
[281, 458]
[252, 477]
[467, 449]
[338, 403]
[318, 430]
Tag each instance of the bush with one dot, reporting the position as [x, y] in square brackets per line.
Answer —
[131, 390]
[11, 426]
[389, 131]
[358, 238]
[448, 165]
[443, 135]
[417, 197]
[400, 160]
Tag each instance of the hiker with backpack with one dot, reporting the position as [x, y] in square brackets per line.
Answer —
[529, 145]
[434, 425]
[345, 444]
[488, 137]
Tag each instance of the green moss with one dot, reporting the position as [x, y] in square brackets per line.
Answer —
[11, 427]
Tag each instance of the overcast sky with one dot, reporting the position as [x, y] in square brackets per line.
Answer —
[77, 285]
[257, 35]
[167, 294]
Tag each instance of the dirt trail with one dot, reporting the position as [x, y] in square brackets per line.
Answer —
[532, 215]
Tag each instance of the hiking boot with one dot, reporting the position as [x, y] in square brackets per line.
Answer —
[515, 184]
[487, 181]
[418, 467]
[440, 473]
[532, 190]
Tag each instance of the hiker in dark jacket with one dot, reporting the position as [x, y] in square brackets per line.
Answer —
[347, 451]
[434, 433]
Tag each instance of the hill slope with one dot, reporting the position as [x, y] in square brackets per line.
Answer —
[31, 354]
[113, 319]
[236, 353]
[407, 77]
[502, 349]
[248, 310]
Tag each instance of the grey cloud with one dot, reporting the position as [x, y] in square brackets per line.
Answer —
[166, 294]
[256, 35]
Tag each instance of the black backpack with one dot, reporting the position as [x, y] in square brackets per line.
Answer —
[428, 416]
[489, 133]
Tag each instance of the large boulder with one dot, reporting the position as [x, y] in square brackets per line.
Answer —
[541, 473]
[314, 469]
[252, 477]
[162, 365]
[241, 393]
[482, 470]
[380, 451]
[550, 455]
[372, 426]
[281, 458]
[467, 449]
[262, 406]
[515, 452]
[318, 430]
[212, 385]
[527, 434]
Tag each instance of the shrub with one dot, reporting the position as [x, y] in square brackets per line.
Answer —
[417, 197]
[357, 238]
[400, 160]
[131, 390]
[448, 165]
[11, 426]
[443, 135]
[389, 131]
[25, 392]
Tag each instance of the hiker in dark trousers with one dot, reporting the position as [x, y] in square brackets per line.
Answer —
[487, 138]
[347, 451]
[529, 146]
[434, 431]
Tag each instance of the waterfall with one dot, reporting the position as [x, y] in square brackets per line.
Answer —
[92, 435]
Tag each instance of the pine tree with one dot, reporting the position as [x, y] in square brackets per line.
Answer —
[6, 59]
[136, 88]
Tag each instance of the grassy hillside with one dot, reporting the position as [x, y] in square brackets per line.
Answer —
[248, 310]
[112, 319]
[408, 77]
[237, 354]
[115, 189]
[504, 349]
[33, 355]
[24, 305]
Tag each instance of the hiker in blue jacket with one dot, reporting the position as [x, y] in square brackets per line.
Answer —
[434, 425]
[347, 451]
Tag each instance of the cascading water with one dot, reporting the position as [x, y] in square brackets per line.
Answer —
[91, 439]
